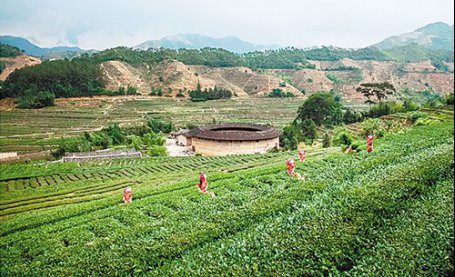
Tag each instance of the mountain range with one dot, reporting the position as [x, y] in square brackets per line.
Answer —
[435, 36]
[197, 41]
[34, 50]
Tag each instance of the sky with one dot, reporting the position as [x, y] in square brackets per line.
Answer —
[100, 24]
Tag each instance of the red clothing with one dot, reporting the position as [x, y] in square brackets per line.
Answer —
[291, 167]
[127, 196]
[302, 155]
[203, 184]
[370, 140]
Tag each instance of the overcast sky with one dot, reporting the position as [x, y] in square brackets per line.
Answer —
[99, 24]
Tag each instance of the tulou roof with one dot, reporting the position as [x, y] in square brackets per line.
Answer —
[235, 132]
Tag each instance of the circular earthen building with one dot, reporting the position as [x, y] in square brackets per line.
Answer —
[233, 139]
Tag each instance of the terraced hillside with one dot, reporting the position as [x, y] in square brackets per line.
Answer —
[31, 131]
[343, 76]
[390, 212]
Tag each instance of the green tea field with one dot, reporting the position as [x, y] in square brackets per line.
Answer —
[28, 131]
[388, 213]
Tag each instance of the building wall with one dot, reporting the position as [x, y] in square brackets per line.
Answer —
[182, 140]
[223, 148]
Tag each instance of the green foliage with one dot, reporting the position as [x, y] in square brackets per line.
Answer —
[2, 66]
[322, 109]
[415, 53]
[380, 91]
[430, 95]
[342, 137]
[440, 65]
[78, 77]
[309, 130]
[158, 126]
[349, 216]
[180, 94]
[333, 78]
[131, 90]
[115, 133]
[449, 99]
[140, 138]
[414, 116]
[154, 139]
[135, 142]
[384, 108]
[291, 137]
[410, 106]
[200, 95]
[327, 140]
[157, 151]
[372, 126]
[32, 98]
[7, 51]
[279, 93]
[297, 132]
[434, 103]
[350, 116]
[342, 68]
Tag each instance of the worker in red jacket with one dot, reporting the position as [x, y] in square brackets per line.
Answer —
[291, 167]
[370, 140]
[127, 195]
[302, 155]
[203, 184]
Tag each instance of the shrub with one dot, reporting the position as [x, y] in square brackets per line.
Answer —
[414, 116]
[351, 116]
[157, 151]
[291, 137]
[309, 130]
[410, 106]
[384, 108]
[154, 139]
[115, 133]
[372, 126]
[449, 99]
[278, 93]
[131, 91]
[433, 104]
[327, 141]
[322, 109]
[160, 127]
[342, 137]
[34, 99]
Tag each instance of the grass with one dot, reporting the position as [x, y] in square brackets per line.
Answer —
[386, 213]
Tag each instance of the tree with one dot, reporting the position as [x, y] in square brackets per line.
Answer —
[322, 109]
[327, 142]
[291, 137]
[115, 133]
[380, 91]
[309, 130]
[34, 99]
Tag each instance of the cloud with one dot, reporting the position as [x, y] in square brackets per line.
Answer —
[107, 23]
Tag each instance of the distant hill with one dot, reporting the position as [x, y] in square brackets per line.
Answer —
[196, 41]
[34, 50]
[438, 36]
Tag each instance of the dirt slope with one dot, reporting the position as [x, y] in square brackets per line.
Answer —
[17, 63]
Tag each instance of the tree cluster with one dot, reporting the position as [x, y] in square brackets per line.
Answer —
[279, 93]
[199, 95]
[7, 51]
[64, 78]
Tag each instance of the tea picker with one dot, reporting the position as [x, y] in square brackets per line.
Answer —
[204, 185]
[127, 195]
